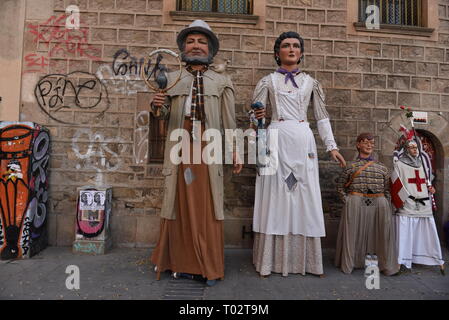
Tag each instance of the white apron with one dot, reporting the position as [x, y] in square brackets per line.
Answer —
[281, 208]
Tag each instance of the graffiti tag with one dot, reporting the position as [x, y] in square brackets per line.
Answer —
[51, 91]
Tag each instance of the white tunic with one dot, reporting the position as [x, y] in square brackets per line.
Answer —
[279, 209]
[417, 236]
[417, 241]
[414, 182]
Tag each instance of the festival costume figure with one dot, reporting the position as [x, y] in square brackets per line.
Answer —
[191, 233]
[366, 224]
[417, 237]
[288, 217]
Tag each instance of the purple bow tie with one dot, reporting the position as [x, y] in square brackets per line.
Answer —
[370, 158]
[289, 75]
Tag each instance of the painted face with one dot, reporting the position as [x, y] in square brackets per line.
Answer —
[86, 198]
[366, 146]
[412, 150]
[99, 198]
[196, 46]
[290, 51]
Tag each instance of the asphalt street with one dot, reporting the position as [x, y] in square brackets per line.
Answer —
[126, 273]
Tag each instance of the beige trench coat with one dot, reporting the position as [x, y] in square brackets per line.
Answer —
[220, 114]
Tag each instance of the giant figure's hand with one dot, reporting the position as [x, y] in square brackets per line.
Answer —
[158, 99]
[336, 156]
[237, 164]
[259, 113]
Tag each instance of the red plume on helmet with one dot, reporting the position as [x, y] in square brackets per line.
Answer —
[408, 134]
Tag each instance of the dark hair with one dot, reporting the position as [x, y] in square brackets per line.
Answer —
[365, 135]
[282, 37]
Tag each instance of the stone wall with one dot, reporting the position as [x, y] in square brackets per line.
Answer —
[366, 77]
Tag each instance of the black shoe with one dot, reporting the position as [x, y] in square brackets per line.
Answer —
[178, 275]
[403, 269]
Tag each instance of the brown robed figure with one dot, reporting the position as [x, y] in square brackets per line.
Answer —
[366, 224]
[191, 234]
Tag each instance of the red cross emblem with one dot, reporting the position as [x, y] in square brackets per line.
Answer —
[417, 180]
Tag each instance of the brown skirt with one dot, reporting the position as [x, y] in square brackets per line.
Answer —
[366, 227]
[194, 242]
[287, 254]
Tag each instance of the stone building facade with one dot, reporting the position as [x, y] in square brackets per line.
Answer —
[101, 134]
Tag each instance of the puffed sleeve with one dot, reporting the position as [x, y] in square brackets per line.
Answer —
[261, 91]
[322, 117]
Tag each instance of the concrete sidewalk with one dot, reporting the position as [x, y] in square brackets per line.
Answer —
[125, 273]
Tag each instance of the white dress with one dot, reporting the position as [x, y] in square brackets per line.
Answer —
[416, 233]
[288, 216]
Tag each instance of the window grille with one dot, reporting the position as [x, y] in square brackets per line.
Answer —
[220, 6]
[397, 12]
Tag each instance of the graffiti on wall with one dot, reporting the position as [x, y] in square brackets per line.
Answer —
[77, 90]
[123, 76]
[61, 39]
[124, 63]
[124, 84]
[24, 157]
[35, 62]
[141, 134]
[95, 152]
